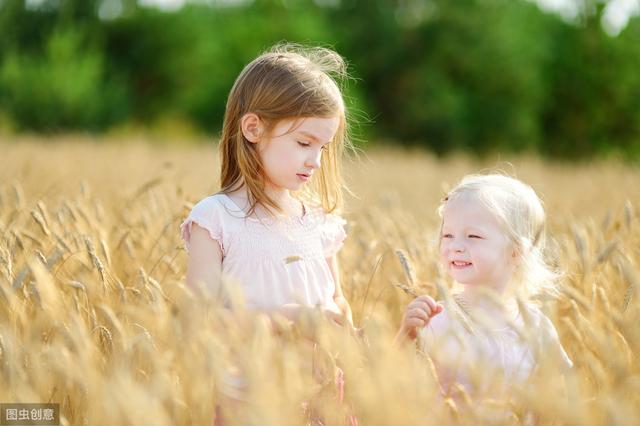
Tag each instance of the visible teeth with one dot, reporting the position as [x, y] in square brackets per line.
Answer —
[461, 263]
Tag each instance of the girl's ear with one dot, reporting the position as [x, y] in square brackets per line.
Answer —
[252, 127]
[515, 253]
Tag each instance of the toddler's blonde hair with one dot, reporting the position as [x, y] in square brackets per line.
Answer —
[521, 215]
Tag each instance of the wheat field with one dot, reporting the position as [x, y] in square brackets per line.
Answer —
[94, 314]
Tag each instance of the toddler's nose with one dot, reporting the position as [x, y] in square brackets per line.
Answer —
[459, 248]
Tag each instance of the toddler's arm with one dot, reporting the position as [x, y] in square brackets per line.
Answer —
[205, 260]
[552, 345]
[417, 315]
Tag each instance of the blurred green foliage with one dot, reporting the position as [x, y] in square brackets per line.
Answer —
[477, 75]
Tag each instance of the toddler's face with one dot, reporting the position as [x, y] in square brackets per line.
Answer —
[292, 152]
[474, 249]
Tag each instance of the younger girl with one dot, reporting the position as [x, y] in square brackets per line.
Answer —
[491, 243]
[272, 229]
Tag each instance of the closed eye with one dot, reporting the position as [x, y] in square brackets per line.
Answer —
[447, 236]
[475, 236]
[305, 144]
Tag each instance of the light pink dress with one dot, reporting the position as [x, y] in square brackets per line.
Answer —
[276, 261]
[504, 357]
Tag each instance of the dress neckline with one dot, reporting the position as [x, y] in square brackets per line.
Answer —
[269, 219]
[464, 308]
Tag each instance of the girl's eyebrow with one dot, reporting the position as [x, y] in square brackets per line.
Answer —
[308, 135]
[312, 137]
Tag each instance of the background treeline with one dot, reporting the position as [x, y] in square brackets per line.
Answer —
[478, 75]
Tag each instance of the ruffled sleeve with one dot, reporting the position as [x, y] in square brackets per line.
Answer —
[333, 234]
[209, 215]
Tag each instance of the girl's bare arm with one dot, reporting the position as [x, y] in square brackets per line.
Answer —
[338, 296]
[205, 260]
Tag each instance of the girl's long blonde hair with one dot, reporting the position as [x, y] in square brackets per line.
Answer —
[288, 81]
[519, 210]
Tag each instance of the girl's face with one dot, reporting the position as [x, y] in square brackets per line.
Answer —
[474, 249]
[292, 152]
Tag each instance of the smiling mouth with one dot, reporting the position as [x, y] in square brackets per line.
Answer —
[459, 264]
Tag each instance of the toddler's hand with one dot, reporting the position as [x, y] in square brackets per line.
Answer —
[417, 315]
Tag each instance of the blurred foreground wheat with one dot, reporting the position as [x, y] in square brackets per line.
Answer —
[94, 314]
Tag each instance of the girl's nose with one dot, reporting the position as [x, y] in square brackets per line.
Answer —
[314, 159]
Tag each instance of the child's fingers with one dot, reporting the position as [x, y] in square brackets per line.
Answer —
[420, 302]
[422, 305]
[414, 322]
[434, 307]
[418, 312]
[424, 298]
[432, 303]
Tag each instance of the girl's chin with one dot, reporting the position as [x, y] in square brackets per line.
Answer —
[460, 275]
[464, 280]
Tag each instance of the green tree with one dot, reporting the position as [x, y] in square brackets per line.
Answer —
[594, 91]
[65, 88]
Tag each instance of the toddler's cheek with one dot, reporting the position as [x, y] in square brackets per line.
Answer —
[444, 264]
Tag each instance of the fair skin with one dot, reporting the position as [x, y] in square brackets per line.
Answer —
[290, 154]
[477, 253]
